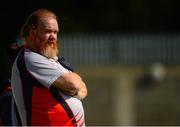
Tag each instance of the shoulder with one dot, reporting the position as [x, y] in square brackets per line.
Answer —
[34, 60]
[33, 56]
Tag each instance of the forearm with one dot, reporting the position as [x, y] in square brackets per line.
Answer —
[69, 83]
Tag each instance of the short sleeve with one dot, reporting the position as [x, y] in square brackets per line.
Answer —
[45, 70]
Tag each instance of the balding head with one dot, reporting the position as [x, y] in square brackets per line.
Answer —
[34, 19]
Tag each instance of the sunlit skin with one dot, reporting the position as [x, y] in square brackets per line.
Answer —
[45, 37]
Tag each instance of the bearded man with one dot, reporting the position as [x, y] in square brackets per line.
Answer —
[45, 92]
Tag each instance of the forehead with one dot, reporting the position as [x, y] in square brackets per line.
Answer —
[48, 23]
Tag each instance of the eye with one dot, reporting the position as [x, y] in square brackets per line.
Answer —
[49, 31]
[55, 32]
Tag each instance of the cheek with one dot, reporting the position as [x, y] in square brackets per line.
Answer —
[46, 36]
[43, 37]
[55, 36]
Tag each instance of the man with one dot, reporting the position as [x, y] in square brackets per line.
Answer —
[46, 93]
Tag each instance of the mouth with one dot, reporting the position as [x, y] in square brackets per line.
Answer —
[51, 42]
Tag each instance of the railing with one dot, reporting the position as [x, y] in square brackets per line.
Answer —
[93, 49]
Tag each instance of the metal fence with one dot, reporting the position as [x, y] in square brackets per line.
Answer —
[97, 49]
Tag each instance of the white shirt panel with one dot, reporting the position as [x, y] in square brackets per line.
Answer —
[17, 92]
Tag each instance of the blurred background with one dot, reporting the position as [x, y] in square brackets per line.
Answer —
[127, 51]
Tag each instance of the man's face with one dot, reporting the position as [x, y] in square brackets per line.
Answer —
[45, 37]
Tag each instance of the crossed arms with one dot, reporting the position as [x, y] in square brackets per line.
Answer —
[71, 84]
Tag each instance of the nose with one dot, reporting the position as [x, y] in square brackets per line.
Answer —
[52, 38]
